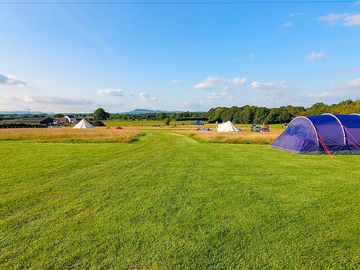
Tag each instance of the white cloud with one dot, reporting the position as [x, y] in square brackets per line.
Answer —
[57, 100]
[146, 97]
[333, 18]
[316, 56]
[11, 80]
[46, 103]
[111, 92]
[355, 84]
[288, 24]
[323, 95]
[295, 14]
[221, 95]
[298, 14]
[220, 83]
[268, 85]
[347, 70]
[176, 82]
[350, 89]
[345, 19]
[352, 20]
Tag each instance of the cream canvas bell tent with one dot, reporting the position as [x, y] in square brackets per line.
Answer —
[227, 127]
[83, 124]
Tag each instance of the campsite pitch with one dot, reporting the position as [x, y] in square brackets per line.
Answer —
[170, 202]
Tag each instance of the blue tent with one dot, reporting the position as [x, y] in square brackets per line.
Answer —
[197, 122]
[336, 134]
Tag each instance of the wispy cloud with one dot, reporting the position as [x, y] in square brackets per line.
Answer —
[176, 82]
[11, 80]
[221, 95]
[352, 20]
[45, 103]
[111, 92]
[57, 100]
[296, 14]
[350, 89]
[324, 94]
[316, 56]
[220, 83]
[288, 24]
[146, 97]
[354, 84]
[344, 19]
[268, 85]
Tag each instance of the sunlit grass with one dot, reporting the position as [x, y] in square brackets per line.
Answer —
[245, 136]
[169, 202]
[69, 135]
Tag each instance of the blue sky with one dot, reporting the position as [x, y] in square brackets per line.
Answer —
[76, 58]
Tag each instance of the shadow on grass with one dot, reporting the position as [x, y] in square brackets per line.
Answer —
[137, 138]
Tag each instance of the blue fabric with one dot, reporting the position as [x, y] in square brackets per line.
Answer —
[197, 122]
[299, 137]
[340, 134]
[329, 131]
[351, 125]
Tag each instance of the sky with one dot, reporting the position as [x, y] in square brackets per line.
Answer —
[59, 57]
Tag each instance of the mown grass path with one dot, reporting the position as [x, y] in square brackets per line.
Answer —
[170, 202]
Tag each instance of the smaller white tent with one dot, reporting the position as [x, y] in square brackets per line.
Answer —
[227, 127]
[83, 124]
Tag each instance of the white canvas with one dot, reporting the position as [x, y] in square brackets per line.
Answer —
[227, 127]
[83, 124]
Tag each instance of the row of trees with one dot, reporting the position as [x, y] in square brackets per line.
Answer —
[253, 114]
[246, 114]
[180, 116]
[344, 107]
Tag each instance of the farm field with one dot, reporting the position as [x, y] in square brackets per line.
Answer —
[101, 135]
[144, 123]
[167, 201]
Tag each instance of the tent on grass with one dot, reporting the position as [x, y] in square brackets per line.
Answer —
[83, 124]
[326, 133]
[227, 127]
[197, 122]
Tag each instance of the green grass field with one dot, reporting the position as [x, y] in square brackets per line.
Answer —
[168, 201]
[112, 123]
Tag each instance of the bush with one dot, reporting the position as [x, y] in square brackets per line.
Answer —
[98, 123]
[21, 125]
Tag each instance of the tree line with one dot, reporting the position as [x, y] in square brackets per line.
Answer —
[249, 114]
[254, 114]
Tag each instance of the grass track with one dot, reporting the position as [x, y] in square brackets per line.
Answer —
[169, 202]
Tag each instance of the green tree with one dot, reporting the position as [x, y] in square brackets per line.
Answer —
[100, 114]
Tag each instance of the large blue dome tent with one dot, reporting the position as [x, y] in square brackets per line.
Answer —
[197, 122]
[336, 134]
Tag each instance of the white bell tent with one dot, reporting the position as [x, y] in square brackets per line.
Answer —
[227, 127]
[83, 124]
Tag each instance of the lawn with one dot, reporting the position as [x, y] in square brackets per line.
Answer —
[168, 201]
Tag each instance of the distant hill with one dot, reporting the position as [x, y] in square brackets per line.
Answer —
[20, 112]
[144, 111]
